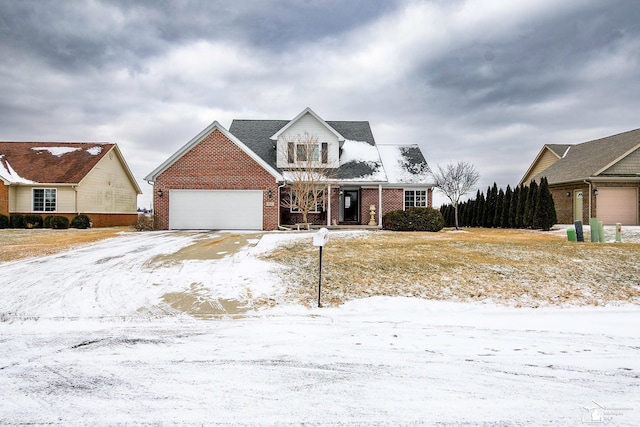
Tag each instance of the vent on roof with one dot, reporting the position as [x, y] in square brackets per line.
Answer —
[565, 153]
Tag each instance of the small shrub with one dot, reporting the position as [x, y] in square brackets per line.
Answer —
[32, 221]
[47, 221]
[144, 223]
[413, 219]
[16, 220]
[4, 221]
[81, 221]
[59, 222]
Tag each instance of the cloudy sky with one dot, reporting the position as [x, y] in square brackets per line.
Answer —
[485, 81]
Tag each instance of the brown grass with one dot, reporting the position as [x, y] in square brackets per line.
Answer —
[515, 267]
[19, 244]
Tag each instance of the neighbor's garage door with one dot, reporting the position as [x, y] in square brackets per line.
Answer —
[215, 209]
[618, 205]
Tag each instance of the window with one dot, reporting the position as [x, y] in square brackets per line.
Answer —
[301, 152]
[319, 203]
[290, 152]
[415, 198]
[44, 199]
[325, 152]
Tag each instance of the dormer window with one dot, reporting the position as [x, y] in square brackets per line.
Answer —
[307, 152]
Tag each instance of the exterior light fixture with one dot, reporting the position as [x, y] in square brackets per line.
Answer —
[160, 192]
[270, 194]
[595, 192]
[568, 193]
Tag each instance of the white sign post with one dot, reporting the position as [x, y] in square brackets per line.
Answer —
[320, 239]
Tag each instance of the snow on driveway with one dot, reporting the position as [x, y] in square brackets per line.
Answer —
[75, 349]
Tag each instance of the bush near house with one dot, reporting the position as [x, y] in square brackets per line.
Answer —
[413, 219]
[144, 223]
[47, 221]
[59, 222]
[16, 220]
[32, 221]
[4, 221]
[81, 221]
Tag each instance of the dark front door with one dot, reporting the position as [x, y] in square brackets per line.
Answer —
[351, 206]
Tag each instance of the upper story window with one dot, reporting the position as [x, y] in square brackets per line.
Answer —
[45, 199]
[307, 152]
[415, 198]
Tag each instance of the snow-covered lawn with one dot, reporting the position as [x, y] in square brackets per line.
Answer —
[89, 337]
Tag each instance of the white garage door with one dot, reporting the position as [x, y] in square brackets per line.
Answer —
[618, 205]
[215, 210]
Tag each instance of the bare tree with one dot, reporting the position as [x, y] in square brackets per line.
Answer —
[307, 173]
[456, 180]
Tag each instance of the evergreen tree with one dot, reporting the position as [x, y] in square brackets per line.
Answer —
[530, 204]
[476, 209]
[490, 206]
[481, 204]
[522, 201]
[544, 215]
[506, 207]
[513, 209]
[497, 218]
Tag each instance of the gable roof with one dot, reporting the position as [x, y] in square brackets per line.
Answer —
[589, 159]
[405, 164]
[315, 116]
[201, 136]
[257, 135]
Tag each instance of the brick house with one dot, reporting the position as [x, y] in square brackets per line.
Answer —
[594, 179]
[240, 178]
[66, 179]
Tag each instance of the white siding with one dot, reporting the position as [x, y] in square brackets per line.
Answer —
[23, 199]
[313, 127]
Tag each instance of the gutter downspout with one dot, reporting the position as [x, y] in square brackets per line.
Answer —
[589, 182]
[284, 183]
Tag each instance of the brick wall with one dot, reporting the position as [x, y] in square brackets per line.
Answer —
[4, 199]
[216, 163]
[564, 203]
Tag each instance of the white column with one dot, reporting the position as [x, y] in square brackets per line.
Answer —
[379, 205]
[329, 205]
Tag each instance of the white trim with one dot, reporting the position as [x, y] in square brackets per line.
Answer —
[314, 115]
[404, 197]
[44, 198]
[199, 138]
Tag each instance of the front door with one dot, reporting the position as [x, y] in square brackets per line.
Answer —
[351, 206]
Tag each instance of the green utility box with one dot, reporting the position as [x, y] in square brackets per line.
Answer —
[571, 234]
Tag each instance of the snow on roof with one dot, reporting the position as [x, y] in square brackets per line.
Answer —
[356, 154]
[8, 174]
[94, 151]
[60, 151]
[404, 164]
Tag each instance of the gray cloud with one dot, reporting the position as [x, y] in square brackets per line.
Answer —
[483, 81]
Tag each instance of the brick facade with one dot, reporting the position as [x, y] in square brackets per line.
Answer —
[564, 203]
[4, 199]
[216, 163]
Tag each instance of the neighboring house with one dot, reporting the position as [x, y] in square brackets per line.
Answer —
[66, 179]
[237, 178]
[595, 179]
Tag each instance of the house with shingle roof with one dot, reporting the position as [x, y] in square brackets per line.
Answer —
[239, 178]
[594, 179]
[66, 179]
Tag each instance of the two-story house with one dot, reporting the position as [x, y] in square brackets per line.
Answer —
[242, 178]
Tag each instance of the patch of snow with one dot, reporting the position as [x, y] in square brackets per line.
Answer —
[94, 151]
[8, 174]
[363, 152]
[398, 168]
[57, 151]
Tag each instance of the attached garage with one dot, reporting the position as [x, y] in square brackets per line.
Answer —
[618, 205]
[215, 209]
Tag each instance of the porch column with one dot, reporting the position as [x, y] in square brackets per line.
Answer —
[379, 205]
[329, 205]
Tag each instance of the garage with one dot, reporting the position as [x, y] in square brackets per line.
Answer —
[215, 209]
[618, 205]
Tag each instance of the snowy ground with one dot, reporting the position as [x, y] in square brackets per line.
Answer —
[88, 337]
